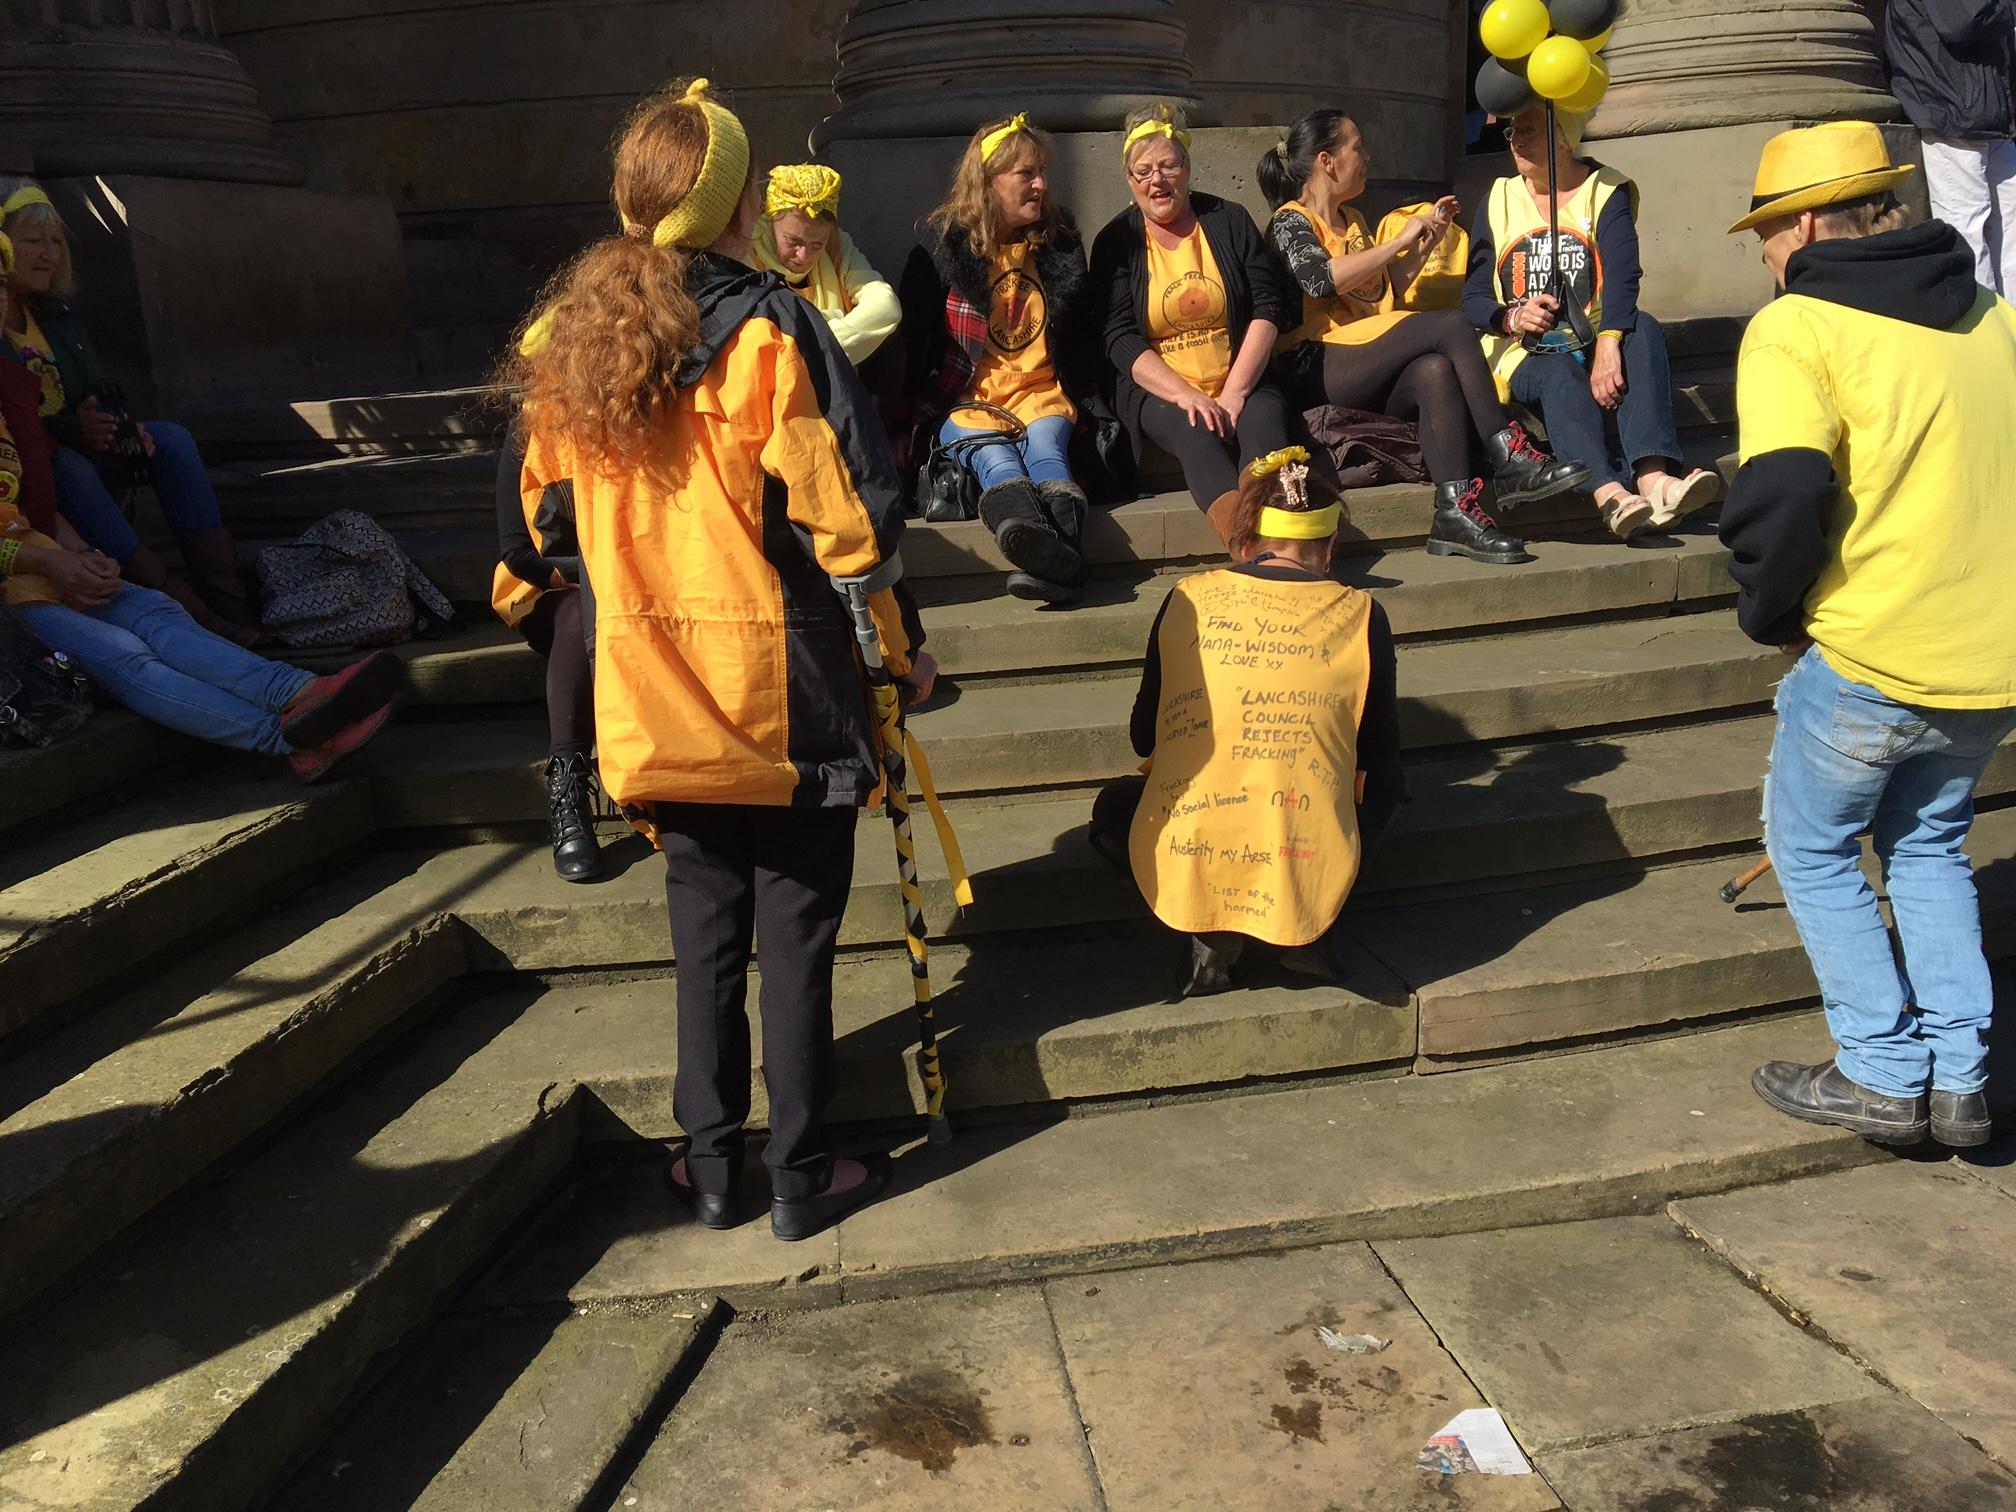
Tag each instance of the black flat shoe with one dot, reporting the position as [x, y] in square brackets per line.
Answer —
[1821, 1094]
[714, 1210]
[795, 1218]
[1209, 968]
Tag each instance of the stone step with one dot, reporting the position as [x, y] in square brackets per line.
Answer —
[209, 1355]
[401, 423]
[99, 899]
[1422, 595]
[106, 1119]
[113, 750]
[1046, 1017]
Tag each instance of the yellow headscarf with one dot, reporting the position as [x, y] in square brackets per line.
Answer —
[6, 253]
[21, 199]
[698, 220]
[996, 139]
[811, 188]
[1297, 522]
[1160, 126]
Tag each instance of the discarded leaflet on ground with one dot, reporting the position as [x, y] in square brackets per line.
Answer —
[1357, 1344]
[1474, 1440]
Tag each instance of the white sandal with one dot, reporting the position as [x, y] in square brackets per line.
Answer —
[1673, 499]
[1628, 515]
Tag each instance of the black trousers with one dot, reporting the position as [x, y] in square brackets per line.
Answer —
[782, 875]
[554, 629]
[1210, 465]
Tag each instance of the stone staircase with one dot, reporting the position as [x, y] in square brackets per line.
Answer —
[284, 1072]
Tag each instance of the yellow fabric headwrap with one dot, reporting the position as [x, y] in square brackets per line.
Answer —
[812, 188]
[996, 139]
[698, 220]
[1299, 524]
[1157, 127]
[6, 253]
[22, 198]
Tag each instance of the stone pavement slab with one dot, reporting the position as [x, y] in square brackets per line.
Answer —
[1583, 1331]
[1209, 1386]
[917, 1406]
[1906, 1265]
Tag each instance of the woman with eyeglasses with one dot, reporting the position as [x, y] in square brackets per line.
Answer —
[1194, 301]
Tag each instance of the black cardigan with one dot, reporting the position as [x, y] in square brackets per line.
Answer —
[1256, 288]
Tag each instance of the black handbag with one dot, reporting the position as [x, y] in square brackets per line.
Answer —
[43, 694]
[947, 488]
[1102, 455]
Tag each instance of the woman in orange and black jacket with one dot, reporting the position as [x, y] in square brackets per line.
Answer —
[727, 466]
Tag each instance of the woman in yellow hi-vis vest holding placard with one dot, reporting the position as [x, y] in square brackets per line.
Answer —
[1268, 716]
[1607, 404]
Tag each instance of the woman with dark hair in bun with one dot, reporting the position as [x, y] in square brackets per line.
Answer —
[1423, 366]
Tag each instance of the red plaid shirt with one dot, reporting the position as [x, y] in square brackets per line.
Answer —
[966, 324]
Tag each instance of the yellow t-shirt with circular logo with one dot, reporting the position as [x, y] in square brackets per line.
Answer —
[1186, 311]
[1015, 372]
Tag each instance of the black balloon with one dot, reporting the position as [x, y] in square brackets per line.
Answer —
[1504, 91]
[1583, 19]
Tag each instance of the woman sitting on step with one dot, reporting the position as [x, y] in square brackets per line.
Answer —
[1270, 721]
[537, 590]
[94, 461]
[141, 646]
[800, 241]
[1194, 300]
[1419, 365]
[726, 470]
[1618, 383]
[996, 313]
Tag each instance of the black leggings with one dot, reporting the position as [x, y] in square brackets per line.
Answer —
[556, 632]
[1210, 466]
[1429, 369]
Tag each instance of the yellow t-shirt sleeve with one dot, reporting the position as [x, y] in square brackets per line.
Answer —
[1782, 398]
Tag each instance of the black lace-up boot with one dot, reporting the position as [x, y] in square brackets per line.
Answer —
[1521, 473]
[570, 787]
[1462, 528]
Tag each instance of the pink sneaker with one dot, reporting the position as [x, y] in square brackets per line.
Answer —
[314, 765]
[315, 715]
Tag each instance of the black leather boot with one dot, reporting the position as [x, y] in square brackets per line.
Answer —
[1821, 1094]
[1047, 566]
[1961, 1119]
[1522, 473]
[570, 784]
[1462, 528]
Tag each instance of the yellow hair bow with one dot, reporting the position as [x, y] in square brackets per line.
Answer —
[996, 139]
[537, 334]
[22, 198]
[1155, 127]
[811, 188]
[1274, 461]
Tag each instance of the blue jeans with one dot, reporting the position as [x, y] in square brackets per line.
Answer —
[146, 652]
[1612, 442]
[1846, 760]
[84, 487]
[1042, 456]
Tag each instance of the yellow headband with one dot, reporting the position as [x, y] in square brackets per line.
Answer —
[6, 253]
[698, 220]
[1156, 127]
[812, 188]
[996, 139]
[22, 198]
[1299, 524]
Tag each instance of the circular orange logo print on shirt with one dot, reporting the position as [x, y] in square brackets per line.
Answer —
[1193, 302]
[1017, 312]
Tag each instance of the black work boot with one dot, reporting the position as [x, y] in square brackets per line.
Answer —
[1047, 566]
[1462, 528]
[570, 783]
[1960, 1119]
[1521, 473]
[1821, 1094]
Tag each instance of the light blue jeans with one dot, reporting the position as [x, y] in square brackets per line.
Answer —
[1042, 457]
[84, 487]
[1847, 760]
[145, 651]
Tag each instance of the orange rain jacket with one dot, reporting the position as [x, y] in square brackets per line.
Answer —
[726, 669]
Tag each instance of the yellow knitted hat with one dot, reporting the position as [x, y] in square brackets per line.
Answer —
[812, 188]
[698, 220]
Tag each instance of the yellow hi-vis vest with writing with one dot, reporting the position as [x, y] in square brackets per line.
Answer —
[1524, 248]
[1250, 818]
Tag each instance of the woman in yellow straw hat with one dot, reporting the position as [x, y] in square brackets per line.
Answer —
[723, 471]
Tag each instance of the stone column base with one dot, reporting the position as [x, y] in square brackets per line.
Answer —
[199, 291]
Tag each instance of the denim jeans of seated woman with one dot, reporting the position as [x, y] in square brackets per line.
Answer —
[1042, 456]
[85, 484]
[145, 651]
[1847, 760]
[1611, 442]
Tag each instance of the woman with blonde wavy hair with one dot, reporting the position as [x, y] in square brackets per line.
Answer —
[997, 322]
[724, 472]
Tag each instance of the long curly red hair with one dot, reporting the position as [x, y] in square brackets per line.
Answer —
[616, 320]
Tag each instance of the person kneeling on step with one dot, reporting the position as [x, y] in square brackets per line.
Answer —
[997, 311]
[1617, 381]
[1266, 783]
[1420, 365]
[1874, 406]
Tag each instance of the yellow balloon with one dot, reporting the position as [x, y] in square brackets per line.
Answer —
[1585, 98]
[1513, 28]
[1598, 42]
[1559, 67]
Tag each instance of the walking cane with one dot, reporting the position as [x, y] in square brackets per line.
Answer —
[1736, 886]
[886, 699]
